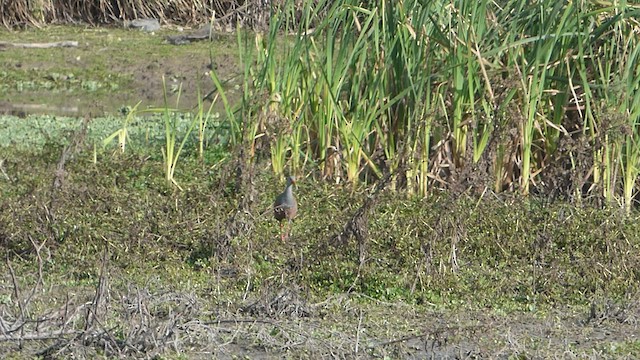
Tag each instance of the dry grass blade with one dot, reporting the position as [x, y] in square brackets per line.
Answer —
[253, 14]
[358, 225]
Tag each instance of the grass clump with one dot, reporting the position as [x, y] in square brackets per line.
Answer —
[458, 247]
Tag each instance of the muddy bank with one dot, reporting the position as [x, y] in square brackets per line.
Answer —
[111, 68]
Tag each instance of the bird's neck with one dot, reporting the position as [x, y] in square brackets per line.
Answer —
[289, 191]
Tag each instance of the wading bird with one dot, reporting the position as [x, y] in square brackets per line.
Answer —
[286, 207]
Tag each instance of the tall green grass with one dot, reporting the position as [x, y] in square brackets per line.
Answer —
[440, 86]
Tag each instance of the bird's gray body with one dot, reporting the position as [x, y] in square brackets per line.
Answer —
[286, 207]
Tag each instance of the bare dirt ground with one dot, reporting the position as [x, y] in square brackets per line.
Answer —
[282, 324]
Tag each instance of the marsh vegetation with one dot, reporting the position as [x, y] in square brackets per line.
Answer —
[467, 175]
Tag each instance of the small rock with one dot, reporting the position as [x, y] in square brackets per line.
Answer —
[143, 24]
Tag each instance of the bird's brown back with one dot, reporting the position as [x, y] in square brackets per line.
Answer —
[285, 208]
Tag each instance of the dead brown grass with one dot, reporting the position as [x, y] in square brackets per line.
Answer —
[21, 13]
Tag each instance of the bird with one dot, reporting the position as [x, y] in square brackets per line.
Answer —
[286, 206]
